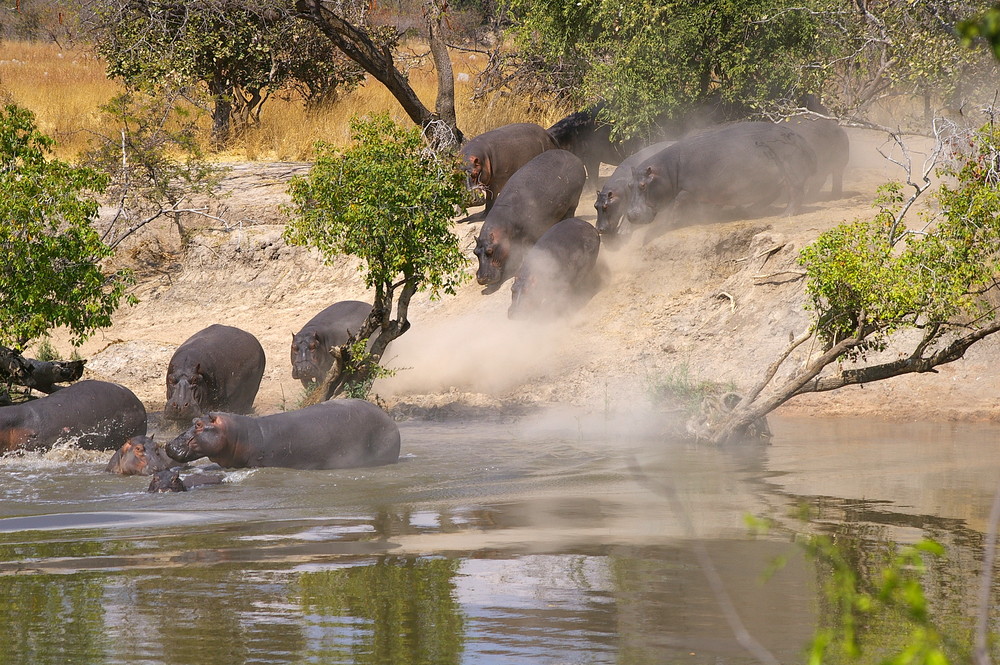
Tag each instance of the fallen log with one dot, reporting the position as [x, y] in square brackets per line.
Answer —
[40, 375]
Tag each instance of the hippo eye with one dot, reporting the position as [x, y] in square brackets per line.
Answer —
[312, 346]
[295, 347]
[489, 252]
[611, 195]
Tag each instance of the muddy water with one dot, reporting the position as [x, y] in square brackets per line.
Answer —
[565, 538]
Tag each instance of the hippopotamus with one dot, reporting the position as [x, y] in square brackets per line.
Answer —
[742, 164]
[336, 434]
[544, 191]
[493, 157]
[218, 368]
[97, 415]
[555, 270]
[616, 196]
[172, 480]
[139, 456]
[832, 147]
[586, 136]
[311, 357]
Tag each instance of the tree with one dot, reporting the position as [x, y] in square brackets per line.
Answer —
[649, 60]
[387, 200]
[872, 281]
[154, 163]
[51, 255]
[372, 48]
[240, 51]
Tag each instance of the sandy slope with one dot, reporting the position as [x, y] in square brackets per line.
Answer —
[707, 298]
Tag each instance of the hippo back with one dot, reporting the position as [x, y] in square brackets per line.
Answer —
[556, 270]
[494, 156]
[96, 415]
[832, 147]
[220, 367]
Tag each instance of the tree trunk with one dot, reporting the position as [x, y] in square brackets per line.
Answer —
[38, 375]
[221, 113]
[378, 62]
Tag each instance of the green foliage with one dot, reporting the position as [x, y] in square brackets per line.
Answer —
[867, 598]
[984, 27]
[45, 351]
[648, 58]
[678, 389]
[362, 364]
[50, 253]
[387, 201]
[872, 278]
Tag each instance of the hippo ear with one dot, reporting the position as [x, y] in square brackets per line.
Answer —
[213, 417]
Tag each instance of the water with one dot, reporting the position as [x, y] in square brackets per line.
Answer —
[557, 539]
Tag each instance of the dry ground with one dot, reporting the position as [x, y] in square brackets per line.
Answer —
[708, 299]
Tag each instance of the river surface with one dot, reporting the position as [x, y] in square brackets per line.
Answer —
[561, 538]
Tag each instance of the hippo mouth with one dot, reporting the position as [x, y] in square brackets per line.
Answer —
[181, 448]
[308, 373]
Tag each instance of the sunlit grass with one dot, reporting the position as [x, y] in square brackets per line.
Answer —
[66, 87]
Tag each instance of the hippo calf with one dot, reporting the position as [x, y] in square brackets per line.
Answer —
[218, 368]
[171, 480]
[746, 164]
[97, 415]
[491, 158]
[337, 434]
[139, 456]
[544, 191]
[556, 271]
[311, 357]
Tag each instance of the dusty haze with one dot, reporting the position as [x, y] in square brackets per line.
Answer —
[715, 299]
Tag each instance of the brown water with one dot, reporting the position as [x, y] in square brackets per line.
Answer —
[564, 538]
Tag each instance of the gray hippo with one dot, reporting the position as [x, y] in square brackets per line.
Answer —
[311, 357]
[97, 415]
[556, 270]
[218, 368]
[616, 196]
[832, 147]
[139, 456]
[173, 480]
[493, 157]
[337, 434]
[745, 164]
[544, 191]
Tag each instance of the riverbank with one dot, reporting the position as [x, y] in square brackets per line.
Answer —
[713, 301]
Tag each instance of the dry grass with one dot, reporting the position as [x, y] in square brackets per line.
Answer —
[66, 88]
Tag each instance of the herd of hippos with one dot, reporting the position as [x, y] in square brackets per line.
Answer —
[531, 179]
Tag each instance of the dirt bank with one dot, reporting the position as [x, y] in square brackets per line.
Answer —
[716, 300]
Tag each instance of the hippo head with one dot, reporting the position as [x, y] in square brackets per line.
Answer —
[479, 175]
[650, 193]
[492, 249]
[139, 456]
[205, 438]
[186, 392]
[610, 207]
[310, 360]
[168, 480]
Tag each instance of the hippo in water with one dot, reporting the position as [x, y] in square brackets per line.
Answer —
[311, 357]
[173, 480]
[219, 367]
[336, 434]
[139, 456]
[493, 157]
[556, 271]
[546, 190]
[97, 415]
[745, 164]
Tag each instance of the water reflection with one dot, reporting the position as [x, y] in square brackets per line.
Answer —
[511, 543]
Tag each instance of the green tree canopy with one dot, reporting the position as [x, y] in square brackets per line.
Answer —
[388, 200]
[50, 253]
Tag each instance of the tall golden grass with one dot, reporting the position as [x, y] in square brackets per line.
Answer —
[66, 87]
